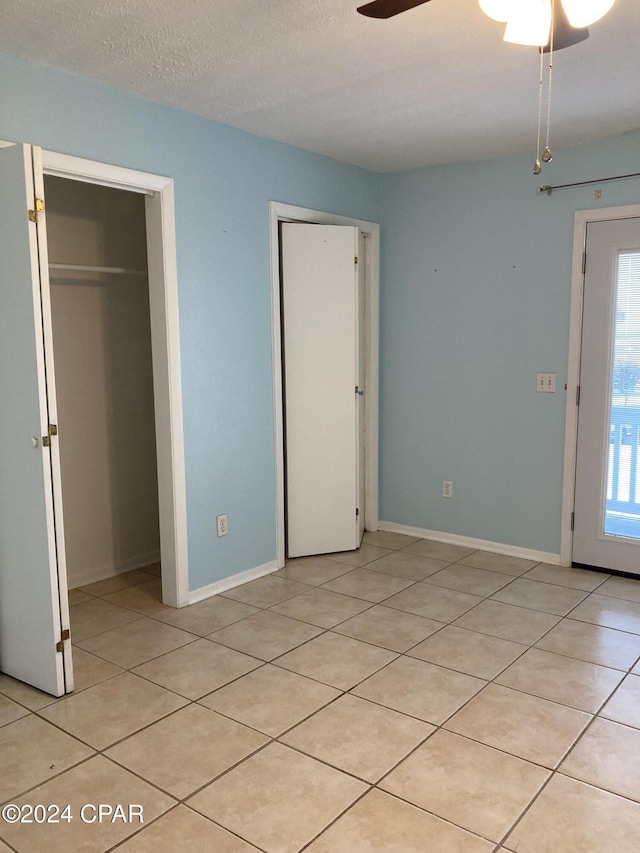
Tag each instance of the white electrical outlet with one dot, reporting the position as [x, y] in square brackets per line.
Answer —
[447, 489]
[221, 524]
[546, 383]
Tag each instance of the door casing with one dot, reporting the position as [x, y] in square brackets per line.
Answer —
[581, 220]
[165, 346]
[280, 212]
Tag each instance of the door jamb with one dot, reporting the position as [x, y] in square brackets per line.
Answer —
[581, 220]
[280, 212]
[165, 345]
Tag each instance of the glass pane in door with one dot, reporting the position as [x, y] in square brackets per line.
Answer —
[622, 513]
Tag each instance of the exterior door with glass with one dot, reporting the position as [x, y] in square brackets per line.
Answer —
[607, 496]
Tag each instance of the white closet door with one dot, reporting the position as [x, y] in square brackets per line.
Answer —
[32, 613]
[321, 347]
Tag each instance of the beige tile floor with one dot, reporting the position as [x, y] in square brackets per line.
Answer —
[410, 697]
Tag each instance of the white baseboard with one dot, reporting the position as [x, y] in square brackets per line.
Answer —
[216, 588]
[468, 542]
[110, 570]
[235, 580]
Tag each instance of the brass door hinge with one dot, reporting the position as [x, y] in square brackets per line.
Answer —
[52, 429]
[573, 520]
[355, 260]
[357, 511]
[66, 634]
[38, 208]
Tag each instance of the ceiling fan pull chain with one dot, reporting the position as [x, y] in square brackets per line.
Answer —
[537, 168]
[546, 154]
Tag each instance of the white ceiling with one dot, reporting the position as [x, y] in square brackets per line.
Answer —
[433, 85]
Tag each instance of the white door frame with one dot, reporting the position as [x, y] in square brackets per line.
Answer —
[165, 345]
[279, 212]
[581, 220]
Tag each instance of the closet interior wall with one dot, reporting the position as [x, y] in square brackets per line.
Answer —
[104, 378]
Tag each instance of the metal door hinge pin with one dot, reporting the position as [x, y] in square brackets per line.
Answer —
[52, 429]
[66, 634]
[38, 207]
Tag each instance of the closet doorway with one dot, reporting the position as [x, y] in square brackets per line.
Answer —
[99, 290]
[35, 642]
[155, 193]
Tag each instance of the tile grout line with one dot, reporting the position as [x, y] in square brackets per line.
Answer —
[336, 819]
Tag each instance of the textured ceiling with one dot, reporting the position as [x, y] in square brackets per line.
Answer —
[433, 85]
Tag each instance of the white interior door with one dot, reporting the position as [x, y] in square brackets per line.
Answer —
[33, 594]
[361, 402]
[321, 353]
[607, 498]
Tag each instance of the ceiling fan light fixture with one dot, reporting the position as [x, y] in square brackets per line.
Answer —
[549, 25]
[583, 13]
[529, 23]
[498, 10]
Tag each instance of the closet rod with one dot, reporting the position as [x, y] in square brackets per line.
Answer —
[88, 268]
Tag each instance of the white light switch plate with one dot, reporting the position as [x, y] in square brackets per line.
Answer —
[546, 382]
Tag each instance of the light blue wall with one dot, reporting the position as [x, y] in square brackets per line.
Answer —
[224, 179]
[475, 300]
[476, 272]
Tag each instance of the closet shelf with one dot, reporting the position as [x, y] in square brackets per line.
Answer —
[89, 268]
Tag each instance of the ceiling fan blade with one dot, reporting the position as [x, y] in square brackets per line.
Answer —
[564, 35]
[388, 8]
